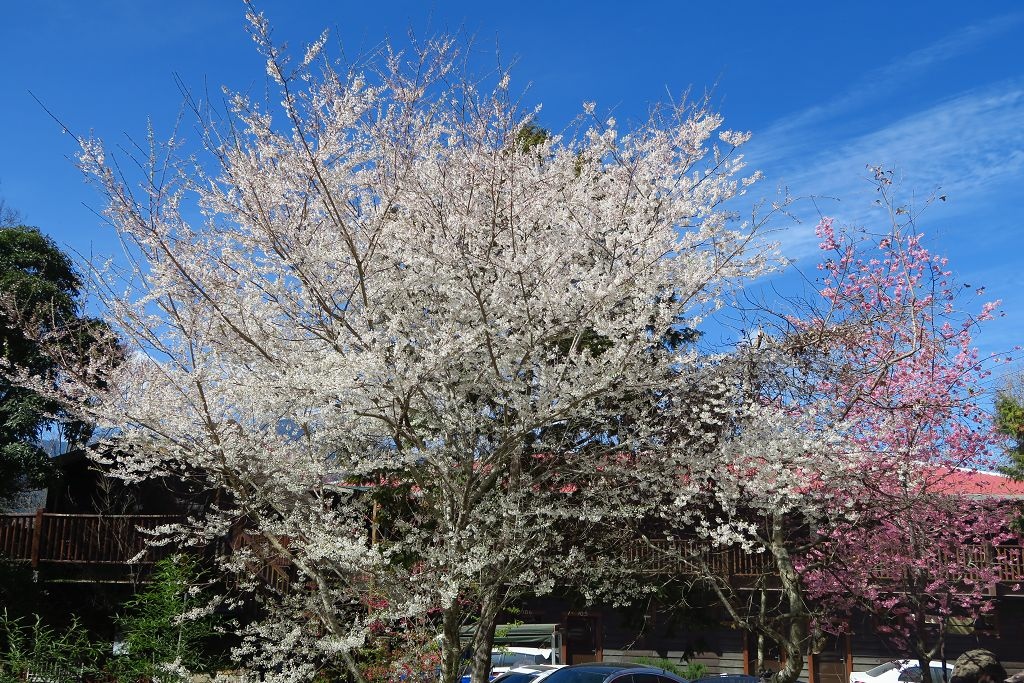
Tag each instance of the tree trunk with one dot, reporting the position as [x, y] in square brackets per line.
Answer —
[797, 616]
[759, 666]
[924, 654]
[483, 640]
[353, 667]
[761, 614]
[794, 653]
[451, 646]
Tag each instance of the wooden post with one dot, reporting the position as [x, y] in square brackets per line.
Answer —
[37, 532]
[747, 668]
[848, 655]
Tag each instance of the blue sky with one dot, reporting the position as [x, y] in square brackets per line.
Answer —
[934, 90]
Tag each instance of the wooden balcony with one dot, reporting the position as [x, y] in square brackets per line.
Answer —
[681, 556]
[45, 538]
[50, 539]
[80, 541]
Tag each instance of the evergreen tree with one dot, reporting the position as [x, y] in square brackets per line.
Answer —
[1010, 422]
[40, 292]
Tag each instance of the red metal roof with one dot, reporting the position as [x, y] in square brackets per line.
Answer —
[965, 481]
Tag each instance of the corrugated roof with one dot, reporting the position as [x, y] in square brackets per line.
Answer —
[964, 481]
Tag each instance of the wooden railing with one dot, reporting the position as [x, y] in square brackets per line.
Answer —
[264, 561]
[683, 557]
[1010, 560]
[84, 539]
[16, 535]
[49, 538]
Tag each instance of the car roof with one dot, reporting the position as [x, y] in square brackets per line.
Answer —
[613, 667]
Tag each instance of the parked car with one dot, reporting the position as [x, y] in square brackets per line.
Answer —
[531, 673]
[902, 671]
[600, 672]
[729, 678]
[505, 659]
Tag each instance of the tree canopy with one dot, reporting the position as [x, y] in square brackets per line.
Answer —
[40, 293]
[402, 283]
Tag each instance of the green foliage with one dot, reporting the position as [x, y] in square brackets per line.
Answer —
[31, 647]
[38, 286]
[690, 671]
[19, 594]
[165, 628]
[39, 295]
[165, 631]
[531, 136]
[694, 670]
[1010, 421]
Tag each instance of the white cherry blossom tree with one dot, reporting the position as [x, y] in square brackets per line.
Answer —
[390, 278]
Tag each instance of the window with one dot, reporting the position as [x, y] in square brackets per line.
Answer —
[583, 676]
[514, 659]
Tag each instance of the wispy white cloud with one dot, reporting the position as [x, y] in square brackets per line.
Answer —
[971, 146]
[804, 129]
[968, 148]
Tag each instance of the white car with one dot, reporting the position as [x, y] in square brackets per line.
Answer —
[506, 658]
[530, 662]
[531, 673]
[902, 671]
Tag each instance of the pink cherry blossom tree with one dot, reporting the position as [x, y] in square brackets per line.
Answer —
[834, 467]
[914, 553]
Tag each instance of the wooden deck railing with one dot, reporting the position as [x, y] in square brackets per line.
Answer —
[16, 536]
[84, 539]
[683, 556]
[49, 538]
[264, 562]
[680, 557]
[1010, 560]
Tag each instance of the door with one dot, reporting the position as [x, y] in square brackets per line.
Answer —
[830, 663]
[582, 639]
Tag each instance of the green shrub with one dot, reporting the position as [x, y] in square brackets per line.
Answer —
[30, 647]
[690, 671]
[694, 670]
[165, 628]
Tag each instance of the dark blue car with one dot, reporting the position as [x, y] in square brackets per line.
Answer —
[599, 672]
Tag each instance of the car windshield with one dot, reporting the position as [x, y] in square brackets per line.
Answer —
[881, 669]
